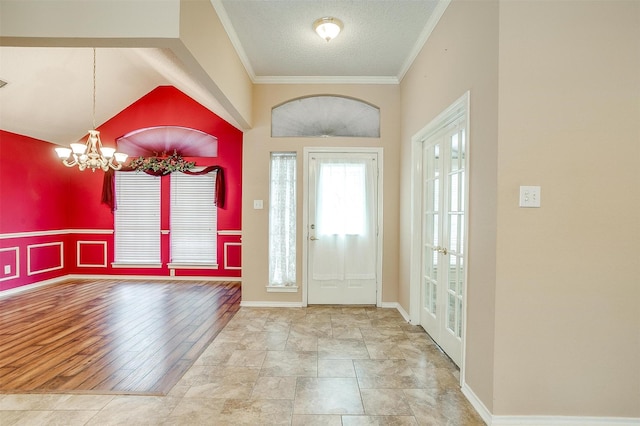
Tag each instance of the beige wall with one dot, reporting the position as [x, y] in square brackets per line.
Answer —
[461, 55]
[553, 293]
[258, 144]
[207, 51]
[568, 276]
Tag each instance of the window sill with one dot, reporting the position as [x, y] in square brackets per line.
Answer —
[136, 265]
[282, 289]
[192, 265]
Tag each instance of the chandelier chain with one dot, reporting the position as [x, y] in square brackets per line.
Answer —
[94, 87]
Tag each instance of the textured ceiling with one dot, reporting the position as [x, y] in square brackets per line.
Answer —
[379, 38]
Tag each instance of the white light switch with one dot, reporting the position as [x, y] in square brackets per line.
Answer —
[257, 205]
[7, 269]
[529, 196]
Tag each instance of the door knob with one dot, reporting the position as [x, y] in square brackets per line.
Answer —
[313, 238]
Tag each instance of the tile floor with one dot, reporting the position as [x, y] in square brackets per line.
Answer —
[289, 366]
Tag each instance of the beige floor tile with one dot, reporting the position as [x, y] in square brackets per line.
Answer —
[385, 402]
[342, 349]
[336, 368]
[46, 418]
[298, 343]
[327, 396]
[391, 382]
[311, 329]
[274, 388]
[255, 412]
[244, 358]
[83, 402]
[216, 354]
[316, 420]
[289, 363]
[343, 332]
[379, 421]
[382, 367]
[195, 411]
[30, 401]
[263, 341]
[135, 410]
[220, 381]
[384, 350]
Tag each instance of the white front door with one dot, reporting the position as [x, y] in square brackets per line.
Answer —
[443, 258]
[342, 227]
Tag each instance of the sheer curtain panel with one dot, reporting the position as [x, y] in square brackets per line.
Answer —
[282, 220]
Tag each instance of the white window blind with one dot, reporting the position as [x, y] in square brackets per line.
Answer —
[137, 218]
[194, 219]
[282, 220]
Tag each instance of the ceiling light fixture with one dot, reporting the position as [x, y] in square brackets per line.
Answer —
[92, 154]
[328, 28]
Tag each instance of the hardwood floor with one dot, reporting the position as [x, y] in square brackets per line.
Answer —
[109, 336]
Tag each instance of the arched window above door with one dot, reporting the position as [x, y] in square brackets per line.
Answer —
[325, 116]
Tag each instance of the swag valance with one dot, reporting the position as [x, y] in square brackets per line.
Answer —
[108, 185]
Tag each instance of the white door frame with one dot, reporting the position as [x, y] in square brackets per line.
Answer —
[305, 212]
[415, 262]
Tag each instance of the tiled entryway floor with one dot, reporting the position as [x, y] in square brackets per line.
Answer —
[289, 366]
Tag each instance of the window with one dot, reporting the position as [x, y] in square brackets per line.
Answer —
[282, 220]
[193, 220]
[137, 219]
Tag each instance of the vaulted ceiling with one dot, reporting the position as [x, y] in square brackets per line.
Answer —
[49, 90]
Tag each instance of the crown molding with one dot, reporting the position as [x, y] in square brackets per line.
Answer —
[326, 80]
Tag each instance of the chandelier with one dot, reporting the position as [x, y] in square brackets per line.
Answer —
[92, 154]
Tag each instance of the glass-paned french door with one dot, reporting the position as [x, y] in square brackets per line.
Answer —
[443, 257]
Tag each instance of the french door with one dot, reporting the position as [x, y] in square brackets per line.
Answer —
[342, 227]
[443, 220]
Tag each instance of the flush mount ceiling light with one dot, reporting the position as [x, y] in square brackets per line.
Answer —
[328, 28]
[92, 154]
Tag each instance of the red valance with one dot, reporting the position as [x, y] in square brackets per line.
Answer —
[109, 188]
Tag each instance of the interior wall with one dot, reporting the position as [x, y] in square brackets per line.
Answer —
[567, 295]
[461, 55]
[54, 224]
[256, 161]
[30, 194]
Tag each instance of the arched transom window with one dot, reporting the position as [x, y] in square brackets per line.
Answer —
[325, 116]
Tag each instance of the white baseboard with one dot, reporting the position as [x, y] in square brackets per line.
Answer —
[248, 304]
[479, 406]
[563, 421]
[396, 305]
[152, 277]
[493, 420]
[29, 287]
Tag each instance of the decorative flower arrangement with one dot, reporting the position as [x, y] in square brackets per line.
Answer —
[166, 165]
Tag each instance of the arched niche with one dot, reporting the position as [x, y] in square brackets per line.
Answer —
[152, 141]
[325, 116]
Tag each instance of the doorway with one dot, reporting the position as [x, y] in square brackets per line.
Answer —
[342, 202]
[439, 249]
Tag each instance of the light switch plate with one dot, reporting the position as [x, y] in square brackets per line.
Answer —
[529, 196]
[258, 205]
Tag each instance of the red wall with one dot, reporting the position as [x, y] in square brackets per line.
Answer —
[52, 222]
